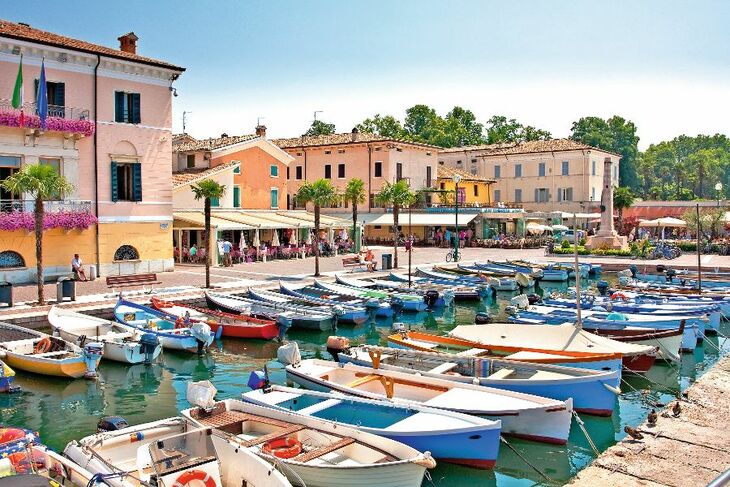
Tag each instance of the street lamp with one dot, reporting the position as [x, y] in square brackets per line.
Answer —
[718, 188]
[457, 180]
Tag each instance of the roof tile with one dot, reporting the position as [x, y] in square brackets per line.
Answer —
[341, 139]
[186, 143]
[445, 172]
[190, 176]
[533, 146]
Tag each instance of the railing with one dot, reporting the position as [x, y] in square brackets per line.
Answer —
[68, 113]
[55, 206]
[59, 118]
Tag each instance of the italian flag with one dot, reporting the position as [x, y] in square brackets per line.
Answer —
[18, 92]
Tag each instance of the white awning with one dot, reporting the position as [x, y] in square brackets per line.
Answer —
[424, 219]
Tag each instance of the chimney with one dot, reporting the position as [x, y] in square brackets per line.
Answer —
[128, 43]
[261, 131]
[354, 134]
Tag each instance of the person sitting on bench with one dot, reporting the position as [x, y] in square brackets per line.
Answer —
[78, 268]
[367, 260]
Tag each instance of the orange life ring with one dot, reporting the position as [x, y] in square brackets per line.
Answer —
[283, 447]
[619, 295]
[191, 475]
[43, 346]
[179, 323]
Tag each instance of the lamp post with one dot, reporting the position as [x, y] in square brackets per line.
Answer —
[718, 188]
[409, 244]
[457, 180]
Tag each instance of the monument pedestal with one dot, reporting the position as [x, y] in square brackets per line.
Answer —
[613, 241]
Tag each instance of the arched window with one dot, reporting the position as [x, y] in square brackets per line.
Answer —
[9, 259]
[126, 252]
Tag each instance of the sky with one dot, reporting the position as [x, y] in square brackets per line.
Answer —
[664, 65]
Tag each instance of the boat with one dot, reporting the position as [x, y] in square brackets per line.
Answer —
[173, 333]
[120, 343]
[402, 301]
[7, 377]
[36, 465]
[450, 437]
[548, 338]
[39, 353]
[313, 452]
[593, 392]
[171, 453]
[289, 315]
[668, 342]
[550, 272]
[650, 294]
[230, 325]
[477, 278]
[534, 272]
[452, 346]
[349, 310]
[459, 291]
[522, 415]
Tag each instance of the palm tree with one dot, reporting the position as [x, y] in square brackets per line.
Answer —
[320, 193]
[206, 190]
[396, 195]
[355, 193]
[622, 198]
[41, 182]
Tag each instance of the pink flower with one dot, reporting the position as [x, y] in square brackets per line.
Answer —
[20, 220]
[53, 124]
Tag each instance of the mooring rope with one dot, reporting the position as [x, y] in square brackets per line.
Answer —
[522, 457]
[585, 432]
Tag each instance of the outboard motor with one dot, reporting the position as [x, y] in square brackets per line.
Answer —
[148, 344]
[634, 270]
[372, 306]
[284, 323]
[602, 287]
[671, 274]
[92, 353]
[111, 423]
[397, 305]
[201, 332]
[484, 290]
[482, 318]
[430, 298]
[533, 299]
[336, 345]
[337, 311]
[449, 297]
[258, 380]
[288, 354]
[661, 268]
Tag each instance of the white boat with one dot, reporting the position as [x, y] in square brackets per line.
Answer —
[313, 452]
[171, 453]
[522, 415]
[121, 344]
[44, 465]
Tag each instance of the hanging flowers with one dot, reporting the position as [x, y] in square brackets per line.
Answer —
[53, 124]
[68, 220]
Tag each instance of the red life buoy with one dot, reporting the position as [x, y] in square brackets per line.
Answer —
[43, 346]
[179, 323]
[619, 295]
[191, 475]
[283, 447]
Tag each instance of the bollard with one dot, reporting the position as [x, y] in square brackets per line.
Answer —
[65, 288]
[6, 293]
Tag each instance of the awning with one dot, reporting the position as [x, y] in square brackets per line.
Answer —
[663, 222]
[324, 220]
[263, 220]
[581, 216]
[195, 220]
[424, 219]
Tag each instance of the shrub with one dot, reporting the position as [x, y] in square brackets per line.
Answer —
[582, 242]
[564, 244]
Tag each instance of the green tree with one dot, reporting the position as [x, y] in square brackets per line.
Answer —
[712, 220]
[622, 198]
[460, 128]
[207, 190]
[355, 194]
[320, 193]
[422, 124]
[41, 182]
[396, 195]
[386, 126]
[501, 130]
[319, 127]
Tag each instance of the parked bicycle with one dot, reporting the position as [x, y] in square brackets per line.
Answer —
[453, 256]
[664, 250]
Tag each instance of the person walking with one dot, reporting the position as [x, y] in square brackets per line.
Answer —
[448, 238]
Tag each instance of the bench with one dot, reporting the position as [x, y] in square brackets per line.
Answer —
[130, 280]
[354, 263]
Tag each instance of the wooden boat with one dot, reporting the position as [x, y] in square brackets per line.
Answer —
[171, 453]
[680, 297]
[321, 297]
[523, 415]
[668, 342]
[289, 315]
[37, 465]
[230, 325]
[403, 301]
[452, 437]
[447, 293]
[314, 452]
[173, 333]
[548, 338]
[355, 313]
[39, 353]
[514, 269]
[593, 392]
[120, 343]
[478, 278]
[426, 342]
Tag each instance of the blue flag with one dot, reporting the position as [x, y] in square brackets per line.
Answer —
[42, 101]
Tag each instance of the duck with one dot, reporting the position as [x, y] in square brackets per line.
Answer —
[652, 417]
[634, 433]
[676, 409]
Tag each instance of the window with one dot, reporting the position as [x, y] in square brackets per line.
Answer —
[298, 172]
[190, 161]
[126, 107]
[237, 169]
[328, 171]
[441, 163]
[458, 162]
[378, 169]
[56, 94]
[274, 197]
[442, 186]
[398, 149]
[287, 173]
[497, 171]
[55, 162]
[541, 169]
[377, 149]
[398, 171]
[341, 171]
[126, 252]
[593, 168]
[565, 168]
[328, 152]
[428, 153]
[215, 202]
[236, 196]
[518, 195]
[518, 170]
[126, 181]
[8, 166]
[593, 194]
[340, 151]
[476, 190]
[542, 195]
[428, 176]
[299, 154]
[473, 161]
[10, 259]
[497, 195]
[274, 171]
[565, 194]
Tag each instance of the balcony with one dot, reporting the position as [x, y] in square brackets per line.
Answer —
[55, 206]
[66, 214]
[60, 119]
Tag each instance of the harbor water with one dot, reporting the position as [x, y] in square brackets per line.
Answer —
[63, 410]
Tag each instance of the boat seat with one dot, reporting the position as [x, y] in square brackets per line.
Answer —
[472, 352]
[272, 436]
[315, 408]
[52, 354]
[363, 380]
[323, 450]
[443, 368]
[501, 374]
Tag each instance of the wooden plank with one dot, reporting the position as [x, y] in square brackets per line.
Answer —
[273, 435]
[323, 450]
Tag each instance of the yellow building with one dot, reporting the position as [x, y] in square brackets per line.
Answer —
[473, 190]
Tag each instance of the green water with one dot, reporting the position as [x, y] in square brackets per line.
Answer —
[63, 410]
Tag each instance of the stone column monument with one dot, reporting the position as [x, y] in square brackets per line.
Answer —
[606, 237]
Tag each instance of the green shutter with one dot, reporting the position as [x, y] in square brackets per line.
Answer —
[135, 116]
[59, 97]
[236, 197]
[119, 106]
[137, 181]
[215, 202]
[274, 198]
[115, 188]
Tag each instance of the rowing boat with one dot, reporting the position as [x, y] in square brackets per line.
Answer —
[400, 300]
[354, 310]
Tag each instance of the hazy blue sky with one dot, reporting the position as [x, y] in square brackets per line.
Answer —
[663, 64]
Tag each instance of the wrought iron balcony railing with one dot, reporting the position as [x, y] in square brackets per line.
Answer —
[59, 118]
[55, 206]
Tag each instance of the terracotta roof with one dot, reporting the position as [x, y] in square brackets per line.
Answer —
[190, 176]
[533, 146]
[341, 139]
[445, 172]
[30, 34]
[192, 144]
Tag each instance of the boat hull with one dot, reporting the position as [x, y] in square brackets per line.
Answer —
[74, 367]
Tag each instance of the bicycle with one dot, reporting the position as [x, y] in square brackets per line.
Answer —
[453, 257]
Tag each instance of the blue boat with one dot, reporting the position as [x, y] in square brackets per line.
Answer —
[354, 306]
[403, 301]
[188, 336]
[451, 437]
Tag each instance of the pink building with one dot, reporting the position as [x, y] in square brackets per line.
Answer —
[108, 132]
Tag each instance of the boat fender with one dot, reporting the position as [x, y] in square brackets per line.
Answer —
[611, 388]
[194, 477]
[43, 346]
[111, 423]
[533, 298]
[288, 354]
[257, 380]
[288, 447]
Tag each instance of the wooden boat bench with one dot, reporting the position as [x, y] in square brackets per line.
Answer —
[129, 280]
[323, 450]
[354, 263]
[443, 368]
